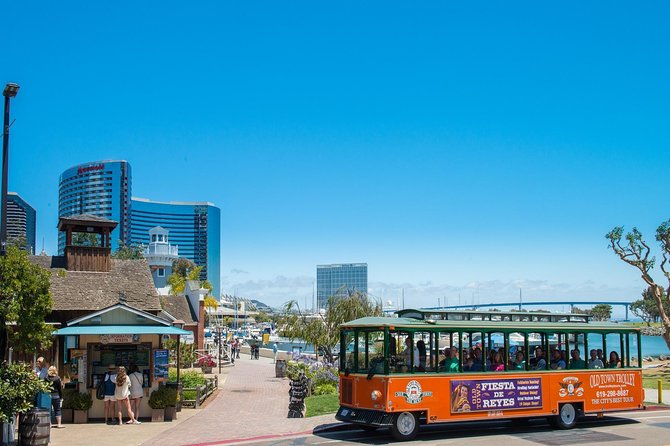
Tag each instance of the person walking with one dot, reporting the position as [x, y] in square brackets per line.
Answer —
[136, 391]
[274, 352]
[109, 387]
[122, 395]
[56, 394]
[41, 369]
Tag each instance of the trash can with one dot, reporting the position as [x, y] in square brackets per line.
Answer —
[280, 368]
[35, 427]
[8, 432]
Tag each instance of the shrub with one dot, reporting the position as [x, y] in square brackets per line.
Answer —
[318, 373]
[163, 397]
[81, 400]
[68, 396]
[187, 352]
[189, 379]
[325, 389]
[18, 386]
[156, 400]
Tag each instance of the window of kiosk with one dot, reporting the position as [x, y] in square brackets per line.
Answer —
[102, 355]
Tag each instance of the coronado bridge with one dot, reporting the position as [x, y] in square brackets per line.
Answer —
[543, 303]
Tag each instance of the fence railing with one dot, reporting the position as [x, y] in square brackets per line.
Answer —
[200, 393]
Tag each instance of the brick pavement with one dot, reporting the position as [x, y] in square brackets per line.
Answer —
[251, 403]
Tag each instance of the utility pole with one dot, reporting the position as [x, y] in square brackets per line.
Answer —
[9, 92]
[220, 337]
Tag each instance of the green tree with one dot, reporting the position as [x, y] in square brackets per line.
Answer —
[184, 270]
[211, 304]
[601, 312]
[322, 330]
[85, 239]
[18, 387]
[128, 252]
[646, 308]
[25, 302]
[632, 249]
[187, 354]
[182, 266]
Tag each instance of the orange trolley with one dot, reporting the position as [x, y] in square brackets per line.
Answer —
[428, 366]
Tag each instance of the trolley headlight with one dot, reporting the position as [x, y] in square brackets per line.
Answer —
[376, 395]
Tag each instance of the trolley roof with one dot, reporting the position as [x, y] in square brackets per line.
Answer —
[488, 322]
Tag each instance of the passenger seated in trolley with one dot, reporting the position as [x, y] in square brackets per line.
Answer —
[613, 363]
[519, 361]
[577, 362]
[557, 361]
[497, 364]
[405, 358]
[450, 361]
[595, 362]
[540, 362]
[477, 364]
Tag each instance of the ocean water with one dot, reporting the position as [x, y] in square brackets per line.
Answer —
[651, 346]
[654, 346]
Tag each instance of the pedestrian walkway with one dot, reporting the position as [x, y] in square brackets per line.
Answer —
[251, 403]
[100, 434]
[651, 396]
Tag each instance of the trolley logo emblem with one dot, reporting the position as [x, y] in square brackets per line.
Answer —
[571, 386]
[413, 393]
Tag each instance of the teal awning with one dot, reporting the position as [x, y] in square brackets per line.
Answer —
[120, 329]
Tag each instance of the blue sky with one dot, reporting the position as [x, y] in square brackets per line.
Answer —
[456, 148]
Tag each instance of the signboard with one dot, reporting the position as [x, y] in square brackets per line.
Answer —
[161, 359]
[495, 394]
[188, 338]
[120, 339]
[610, 388]
[78, 364]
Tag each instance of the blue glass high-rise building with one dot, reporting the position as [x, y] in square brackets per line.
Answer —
[195, 227]
[100, 188]
[339, 280]
[21, 221]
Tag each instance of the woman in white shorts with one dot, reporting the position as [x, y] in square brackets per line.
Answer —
[136, 390]
[109, 386]
[122, 393]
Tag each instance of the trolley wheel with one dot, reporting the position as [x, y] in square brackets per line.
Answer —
[405, 426]
[566, 418]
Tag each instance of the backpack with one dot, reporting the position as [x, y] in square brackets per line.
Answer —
[100, 390]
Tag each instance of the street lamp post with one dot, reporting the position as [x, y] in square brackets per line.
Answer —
[9, 92]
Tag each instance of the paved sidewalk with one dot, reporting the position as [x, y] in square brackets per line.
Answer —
[100, 434]
[252, 403]
[651, 396]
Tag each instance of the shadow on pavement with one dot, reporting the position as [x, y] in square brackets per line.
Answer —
[536, 430]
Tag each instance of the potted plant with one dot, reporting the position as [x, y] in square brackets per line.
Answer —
[170, 396]
[157, 404]
[19, 385]
[66, 407]
[81, 402]
[206, 363]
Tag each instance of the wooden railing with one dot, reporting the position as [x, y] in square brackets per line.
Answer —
[201, 392]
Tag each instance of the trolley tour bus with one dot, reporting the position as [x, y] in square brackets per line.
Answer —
[428, 366]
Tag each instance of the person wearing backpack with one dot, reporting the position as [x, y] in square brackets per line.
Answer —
[109, 385]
